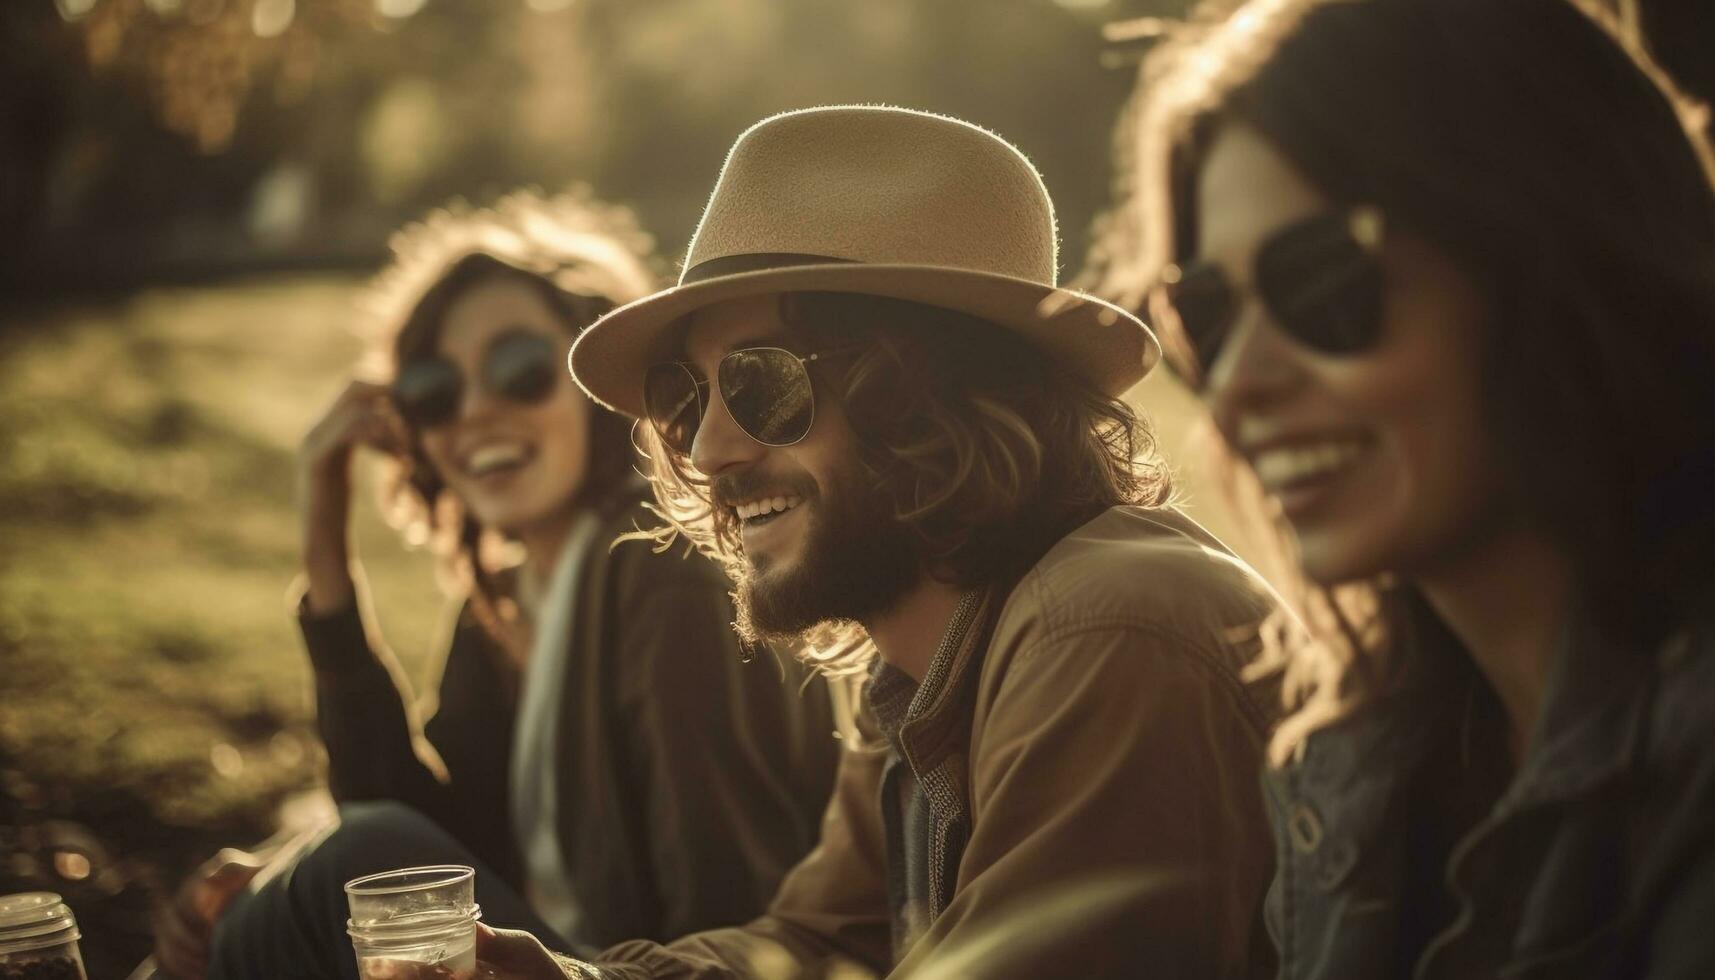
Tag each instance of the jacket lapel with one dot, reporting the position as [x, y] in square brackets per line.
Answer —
[936, 739]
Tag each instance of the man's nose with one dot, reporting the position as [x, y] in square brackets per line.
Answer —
[720, 444]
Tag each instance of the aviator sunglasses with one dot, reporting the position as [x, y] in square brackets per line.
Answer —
[1319, 278]
[519, 365]
[766, 390]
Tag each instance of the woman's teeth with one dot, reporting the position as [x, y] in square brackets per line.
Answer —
[768, 505]
[1286, 466]
[500, 456]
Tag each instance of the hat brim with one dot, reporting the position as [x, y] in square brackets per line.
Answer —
[1106, 346]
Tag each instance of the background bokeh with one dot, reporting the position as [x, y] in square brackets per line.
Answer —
[192, 194]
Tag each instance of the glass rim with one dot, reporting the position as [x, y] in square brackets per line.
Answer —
[432, 876]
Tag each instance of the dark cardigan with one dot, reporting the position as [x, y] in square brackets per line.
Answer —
[694, 779]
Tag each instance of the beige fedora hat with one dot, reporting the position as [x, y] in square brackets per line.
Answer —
[890, 202]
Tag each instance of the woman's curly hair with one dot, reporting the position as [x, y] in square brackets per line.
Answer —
[985, 448]
[583, 257]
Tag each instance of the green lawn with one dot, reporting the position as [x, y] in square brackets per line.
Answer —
[154, 697]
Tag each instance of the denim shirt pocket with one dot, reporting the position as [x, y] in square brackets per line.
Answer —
[1331, 909]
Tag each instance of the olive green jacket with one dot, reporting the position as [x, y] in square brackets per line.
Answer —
[1091, 757]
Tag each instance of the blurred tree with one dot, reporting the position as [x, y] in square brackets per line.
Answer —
[195, 137]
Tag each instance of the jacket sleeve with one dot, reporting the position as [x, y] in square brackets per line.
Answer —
[1680, 945]
[1677, 942]
[734, 757]
[828, 920]
[374, 746]
[1118, 829]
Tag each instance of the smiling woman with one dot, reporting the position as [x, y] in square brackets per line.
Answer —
[579, 672]
[1441, 271]
[500, 443]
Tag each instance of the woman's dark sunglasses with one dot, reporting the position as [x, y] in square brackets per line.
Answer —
[1320, 278]
[520, 365]
[766, 390]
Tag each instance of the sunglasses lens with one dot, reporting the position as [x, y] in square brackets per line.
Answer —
[1204, 302]
[670, 401]
[767, 392]
[427, 391]
[522, 366]
[1323, 285]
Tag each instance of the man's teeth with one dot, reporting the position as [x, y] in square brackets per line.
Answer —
[490, 458]
[1285, 466]
[767, 505]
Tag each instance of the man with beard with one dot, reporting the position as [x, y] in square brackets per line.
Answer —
[869, 399]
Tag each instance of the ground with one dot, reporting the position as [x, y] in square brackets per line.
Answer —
[154, 696]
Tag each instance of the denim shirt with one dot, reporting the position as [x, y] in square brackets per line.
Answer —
[1596, 860]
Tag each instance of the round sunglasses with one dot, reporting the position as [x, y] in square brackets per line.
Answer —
[766, 390]
[519, 365]
[1320, 278]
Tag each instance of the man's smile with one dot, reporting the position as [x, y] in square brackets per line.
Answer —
[771, 528]
[764, 509]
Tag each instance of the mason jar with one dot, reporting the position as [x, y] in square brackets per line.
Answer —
[416, 922]
[38, 939]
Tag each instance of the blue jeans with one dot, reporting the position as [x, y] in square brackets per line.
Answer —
[293, 928]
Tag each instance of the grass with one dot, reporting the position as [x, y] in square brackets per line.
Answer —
[154, 696]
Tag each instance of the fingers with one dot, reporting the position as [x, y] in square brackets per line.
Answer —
[376, 419]
[514, 955]
[233, 856]
[220, 885]
[181, 949]
[360, 389]
[184, 926]
[363, 414]
[383, 428]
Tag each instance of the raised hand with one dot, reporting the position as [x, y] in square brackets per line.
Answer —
[185, 925]
[362, 415]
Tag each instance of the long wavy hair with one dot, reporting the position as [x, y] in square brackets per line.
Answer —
[985, 449]
[583, 258]
[1562, 172]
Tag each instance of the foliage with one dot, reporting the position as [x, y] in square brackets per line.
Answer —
[201, 135]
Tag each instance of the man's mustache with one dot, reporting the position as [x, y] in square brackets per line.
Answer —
[731, 489]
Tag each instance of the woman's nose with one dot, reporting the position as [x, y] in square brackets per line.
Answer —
[1257, 366]
[475, 400]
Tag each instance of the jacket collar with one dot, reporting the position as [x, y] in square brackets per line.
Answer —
[1592, 723]
[1351, 776]
[938, 720]
[1590, 730]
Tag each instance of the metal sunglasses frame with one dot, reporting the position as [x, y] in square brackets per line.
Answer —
[698, 384]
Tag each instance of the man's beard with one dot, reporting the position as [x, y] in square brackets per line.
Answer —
[855, 560]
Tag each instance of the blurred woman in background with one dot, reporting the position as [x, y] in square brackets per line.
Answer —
[602, 751]
[1444, 273]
